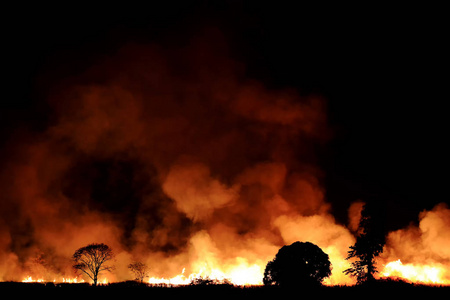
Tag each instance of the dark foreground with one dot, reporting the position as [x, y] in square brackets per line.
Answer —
[132, 289]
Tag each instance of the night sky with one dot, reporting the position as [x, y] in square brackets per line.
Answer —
[381, 71]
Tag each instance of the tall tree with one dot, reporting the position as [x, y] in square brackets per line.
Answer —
[92, 260]
[369, 243]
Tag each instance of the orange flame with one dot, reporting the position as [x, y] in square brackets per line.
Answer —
[428, 274]
[223, 212]
[29, 279]
[420, 253]
[241, 275]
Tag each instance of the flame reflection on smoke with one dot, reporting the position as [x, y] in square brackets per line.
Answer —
[175, 159]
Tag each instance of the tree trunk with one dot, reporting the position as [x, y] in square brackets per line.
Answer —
[370, 271]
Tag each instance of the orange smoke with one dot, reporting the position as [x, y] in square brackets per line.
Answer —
[175, 159]
[171, 157]
[418, 273]
[420, 254]
[195, 192]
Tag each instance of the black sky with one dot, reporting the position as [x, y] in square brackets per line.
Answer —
[381, 69]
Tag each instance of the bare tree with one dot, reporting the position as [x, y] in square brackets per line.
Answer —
[139, 269]
[92, 259]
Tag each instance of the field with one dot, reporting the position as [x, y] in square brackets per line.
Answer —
[132, 289]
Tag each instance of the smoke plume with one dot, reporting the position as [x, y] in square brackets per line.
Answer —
[173, 157]
[421, 253]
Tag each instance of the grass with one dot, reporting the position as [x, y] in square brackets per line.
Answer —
[381, 288]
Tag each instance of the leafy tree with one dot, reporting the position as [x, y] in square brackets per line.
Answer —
[298, 264]
[92, 260]
[139, 269]
[369, 244]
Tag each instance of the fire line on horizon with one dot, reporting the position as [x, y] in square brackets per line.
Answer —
[176, 159]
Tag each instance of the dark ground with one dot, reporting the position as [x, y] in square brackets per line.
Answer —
[132, 289]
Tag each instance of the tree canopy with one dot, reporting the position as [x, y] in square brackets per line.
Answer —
[303, 264]
[139, 269]
[92, 259]
[369, 244]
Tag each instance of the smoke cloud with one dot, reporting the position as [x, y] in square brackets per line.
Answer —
[173, 157]
[194, 191]
[426, 244]
[170, 156]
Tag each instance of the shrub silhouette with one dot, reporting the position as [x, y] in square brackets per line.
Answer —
[299, 264]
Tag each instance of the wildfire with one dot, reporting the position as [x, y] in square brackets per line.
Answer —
[428, 274]
[72, 280]
[29, 279]
[239, 275]
[195, 167]
[245, 274]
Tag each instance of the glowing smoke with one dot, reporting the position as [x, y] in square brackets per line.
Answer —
[174, 158]
[421, 253]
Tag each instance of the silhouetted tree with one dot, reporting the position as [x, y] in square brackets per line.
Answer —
[139, 269]
[298, 264]
[92, 259]
[369, 244]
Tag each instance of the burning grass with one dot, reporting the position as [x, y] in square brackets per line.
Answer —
[177, 160]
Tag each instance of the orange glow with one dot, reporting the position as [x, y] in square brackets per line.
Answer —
[29, 279]
[184, 165]
[72, 280]
[241, 275]
[428, 274]
[420, 253]
[246, 275]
